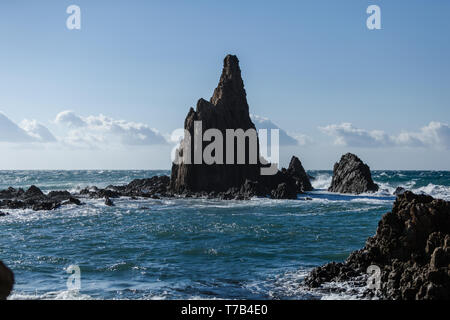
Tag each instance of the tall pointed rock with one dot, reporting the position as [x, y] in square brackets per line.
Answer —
[227, 109]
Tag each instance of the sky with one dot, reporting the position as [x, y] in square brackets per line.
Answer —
[109, 96]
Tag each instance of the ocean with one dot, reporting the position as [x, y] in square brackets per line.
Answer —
[190, 248]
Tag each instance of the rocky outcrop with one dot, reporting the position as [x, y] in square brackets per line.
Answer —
[398, 191]
[227, 109]
[108, 202]
[351, 175]
[34, 198]
[411, 247]
[150, 188]
[300, 176]
[6, 281]
[284, 191]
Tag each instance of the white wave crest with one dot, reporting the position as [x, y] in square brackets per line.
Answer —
[322, 181]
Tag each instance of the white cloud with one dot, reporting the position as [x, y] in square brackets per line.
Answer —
[69, 118]
[97, 131]
[285, 138]
[347, 135]
[29, 131]
[38, 131]
[435, 134]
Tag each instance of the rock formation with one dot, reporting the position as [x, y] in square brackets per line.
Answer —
[6, 281]
[34, 199]
[411, 247]
[227, 109]
[351, 175]
[300, 176]
[108, 202]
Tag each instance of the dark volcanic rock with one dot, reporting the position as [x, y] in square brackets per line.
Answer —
[411, 247]
[141, 187]
[398, 191]
[4, 214]
[227, 109]
[33, 193]
[149, 188]
[46, 205]
[6, 281]
[13, 204]
[300, 176]
[59, 195]
[351, 175]
[72, 200]
[284, 191]
[11, 193]
[109, 202]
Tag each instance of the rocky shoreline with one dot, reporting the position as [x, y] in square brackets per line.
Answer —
[411, 248]
[286, 184]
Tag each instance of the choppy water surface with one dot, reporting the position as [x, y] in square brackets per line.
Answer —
[189, 248]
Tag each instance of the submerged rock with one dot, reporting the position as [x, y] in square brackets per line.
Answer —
[411, 247]
[351, 175]
[109, 202]
[6, 281]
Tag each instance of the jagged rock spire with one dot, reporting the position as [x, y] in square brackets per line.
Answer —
[227, 109]
[230, 91]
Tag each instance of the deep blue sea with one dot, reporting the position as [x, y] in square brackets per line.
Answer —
[189, 248]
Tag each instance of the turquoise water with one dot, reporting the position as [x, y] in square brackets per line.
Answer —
[189, 248]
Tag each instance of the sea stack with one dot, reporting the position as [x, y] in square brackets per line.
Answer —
[227, 109]
[300, 176]
[351, 175]
[6, 281]
[411, 247]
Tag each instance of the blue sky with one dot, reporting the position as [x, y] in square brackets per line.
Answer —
[311, 67]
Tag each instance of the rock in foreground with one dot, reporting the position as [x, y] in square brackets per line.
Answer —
[411, 247]
[351, 175]
[6, 281]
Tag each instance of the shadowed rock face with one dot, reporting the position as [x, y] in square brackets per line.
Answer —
[297, 171]
[227, 109]
[411, 247]
[351, 175]
[6, 281]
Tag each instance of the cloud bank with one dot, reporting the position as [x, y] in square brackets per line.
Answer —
[94, 131]
[433, 135]
[29, 131]
[285, 138]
